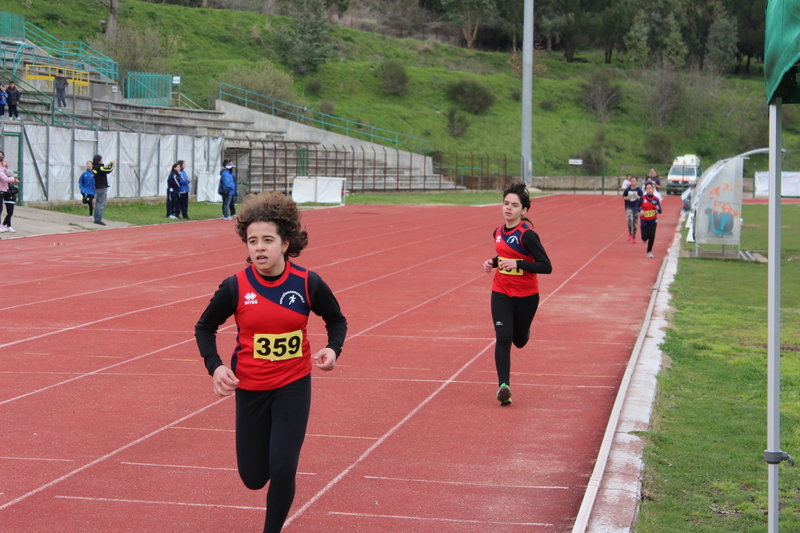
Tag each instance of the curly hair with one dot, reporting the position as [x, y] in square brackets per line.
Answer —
[276, 208]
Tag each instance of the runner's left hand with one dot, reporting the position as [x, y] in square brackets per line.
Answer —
[325, 359]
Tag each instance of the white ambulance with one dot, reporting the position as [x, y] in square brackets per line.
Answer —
[683, 174]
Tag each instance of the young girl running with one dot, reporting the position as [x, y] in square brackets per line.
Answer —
[649, 207]
[270, 369]
[515, 290]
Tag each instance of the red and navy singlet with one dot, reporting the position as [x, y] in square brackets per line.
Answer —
[508, 245]
[272, 345]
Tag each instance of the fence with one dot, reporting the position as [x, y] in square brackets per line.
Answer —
[146, 88]
[48, 160]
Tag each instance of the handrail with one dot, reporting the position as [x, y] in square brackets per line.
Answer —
[74, 51]
[324, 121]
[21, 51]
[44, 99]
[178, 98]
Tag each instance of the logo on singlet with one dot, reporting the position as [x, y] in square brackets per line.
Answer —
[291, 297]
[513, 240]
[250, 298]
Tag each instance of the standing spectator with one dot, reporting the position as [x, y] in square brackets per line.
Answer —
[631, 195]
[227, 189]
[656, 180]
[61, 84]
[12, 99]
[183, 192]
[173, 185]
[7, 181]
[235, 190]
[3, 96]
[101, 173]
[86, 184]
[649, 208]
[626, 182]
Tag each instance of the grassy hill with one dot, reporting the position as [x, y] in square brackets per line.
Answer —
[205, 43]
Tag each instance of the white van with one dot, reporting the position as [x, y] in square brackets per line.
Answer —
[683, 174]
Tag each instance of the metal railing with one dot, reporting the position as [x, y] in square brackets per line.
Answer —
[73, 54]
[79, 79]
[309, 117]
[148, 88]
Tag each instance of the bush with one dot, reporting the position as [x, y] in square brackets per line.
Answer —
[327, 107]
[393, 77]
[303, 46]
[516, 94]
[264, 79]
[601, 97]
[313, 86]
[547, 105]
[658, 147]
[473, 95]
[457, 122]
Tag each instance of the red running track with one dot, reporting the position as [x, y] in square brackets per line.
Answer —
[109, 422]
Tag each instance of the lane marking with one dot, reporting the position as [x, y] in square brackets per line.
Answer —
[340, 436]
[408, 368]
[448, 520]
[484, 485]
[154, 502]
[156, 465]
[36, 459]
[383, 439]
[108, 455]
[204, 429]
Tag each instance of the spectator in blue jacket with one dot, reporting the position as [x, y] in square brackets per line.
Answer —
[173, 186]
[183, 192]
[227, 189]
[3, 96]
[86, 184]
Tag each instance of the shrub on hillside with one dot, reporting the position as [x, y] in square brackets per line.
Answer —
[658, 147]
[135, 49]
[457, 122]
[601, 97]
[264, 79]
[313, 86]
[473, 95]
[393, 77]
[327, 107]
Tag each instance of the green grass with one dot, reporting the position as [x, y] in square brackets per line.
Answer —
[704, 454]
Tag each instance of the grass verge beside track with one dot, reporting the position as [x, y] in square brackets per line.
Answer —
[705, 470]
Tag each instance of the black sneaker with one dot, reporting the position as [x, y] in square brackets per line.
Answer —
[100, 222]
[504, 394]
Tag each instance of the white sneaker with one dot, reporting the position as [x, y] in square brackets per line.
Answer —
[3, 229]
[173, 217]
[650, 255]
[10, 229]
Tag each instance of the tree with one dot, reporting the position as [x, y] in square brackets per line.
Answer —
[302, 46]
[469, 14]
[615, 21]
[721, 47]
[636, 41]
[111, 21]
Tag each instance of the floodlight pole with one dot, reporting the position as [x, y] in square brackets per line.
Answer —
[772, 454]
[527, 93]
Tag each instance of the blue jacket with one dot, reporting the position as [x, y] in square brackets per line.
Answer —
[183, 181]
[86, 182]
[3, 97]
[227, 183]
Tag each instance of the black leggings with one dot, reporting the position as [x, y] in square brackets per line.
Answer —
[9, 213]
[512, 317]
[270, 429]
[649, 235]
[88, 199]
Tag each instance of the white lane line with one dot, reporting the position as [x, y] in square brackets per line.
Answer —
[154, 502]
[385, 436]
[198, 467]
[36, 459]
[484, 485]
[108, 455]
[447, 520]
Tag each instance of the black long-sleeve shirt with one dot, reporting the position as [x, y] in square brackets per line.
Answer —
[541, 263]
[223, 305]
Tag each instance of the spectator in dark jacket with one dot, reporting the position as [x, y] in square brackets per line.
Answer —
[61, 84]
[12, 99]
[101, 173]
[173, 186]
